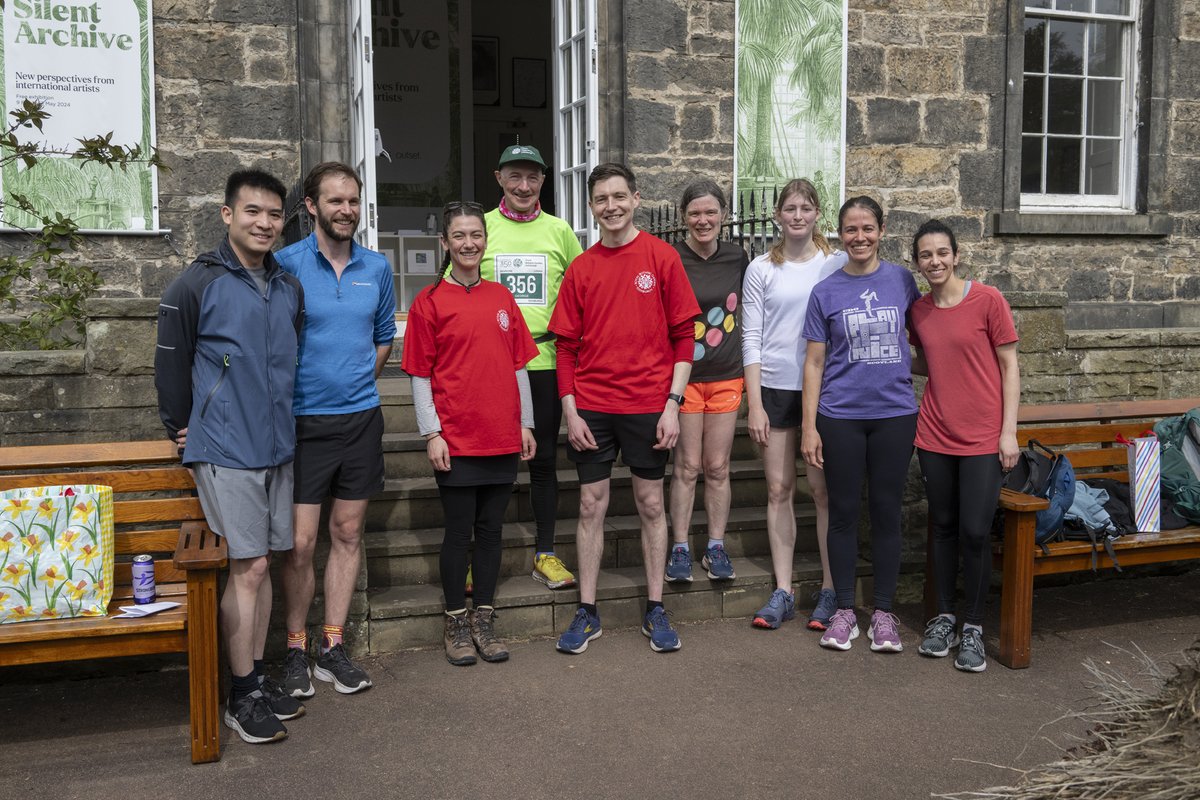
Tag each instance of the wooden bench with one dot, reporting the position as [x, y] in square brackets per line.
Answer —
[1087, 433]
[156, 512]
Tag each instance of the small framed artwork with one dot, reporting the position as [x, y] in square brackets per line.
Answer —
[485, 70]
[421, 262]
[529, 82]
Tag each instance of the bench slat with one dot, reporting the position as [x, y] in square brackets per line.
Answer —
[159, 510]
[58, 629]
[122, 480]
[1082, 434]
[132, 543]
[58, 456]
[1035, 414]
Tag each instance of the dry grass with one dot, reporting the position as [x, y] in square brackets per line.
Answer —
[1143, 743]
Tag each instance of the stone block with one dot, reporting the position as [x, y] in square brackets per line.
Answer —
[743, 601]
[1088, 284]
[402, 633]
[209, 53]
[180, 10]
[103, 391]
[259, 112]
[649, 126]
[622, 612]
[856, 132]
[1040, 330]
[923, 70]
[980, 179]
[21, 363]
[706, 45]
[1122, 362]
[21, 394]
[654, 25]
[864, 70]
[888, 166]
[892, 121]
[698, 123]
[1153, 286]
[887, 27]
[954, 121]
[121, 347]
[525, 622]
[266, 12]
[984, 64]
[692, 606]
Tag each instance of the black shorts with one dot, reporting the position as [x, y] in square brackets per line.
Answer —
[782, 407]
[339, 455]
[632, 436]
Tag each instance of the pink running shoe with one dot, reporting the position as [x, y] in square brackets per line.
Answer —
[884, 632]
[843, 629]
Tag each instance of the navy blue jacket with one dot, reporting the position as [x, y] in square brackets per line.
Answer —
[226, 361]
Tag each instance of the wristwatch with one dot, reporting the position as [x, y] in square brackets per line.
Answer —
[678, 398]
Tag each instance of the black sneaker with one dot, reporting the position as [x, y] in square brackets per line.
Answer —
[336, 667]
[282, 704]
[253, 720]
[296, 674]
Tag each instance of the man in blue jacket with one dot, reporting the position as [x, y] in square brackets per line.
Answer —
[350, 321]
[228, 334]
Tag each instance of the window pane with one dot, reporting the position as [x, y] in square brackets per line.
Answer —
[1032, 119]
[568, 80]
[1065, 107]
[1104, 49]
[1031, 165]
[1074, 5]
[1066, 47]
[581, 66]
[1112, 6]
[1062, 166]
[1035, 45]
[1104, 108]
[1037, 3]
[1103, 161]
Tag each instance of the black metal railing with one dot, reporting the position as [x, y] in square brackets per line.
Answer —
[751, 226]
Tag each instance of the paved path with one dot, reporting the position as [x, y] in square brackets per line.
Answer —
[737, 713]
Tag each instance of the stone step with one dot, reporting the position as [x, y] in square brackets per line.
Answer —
[404, 452]
[408, 503]
[406, 557]
[411, 616]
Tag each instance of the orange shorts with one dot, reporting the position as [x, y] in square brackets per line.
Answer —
[713, 397]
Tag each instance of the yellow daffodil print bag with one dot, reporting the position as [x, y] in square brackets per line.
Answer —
[56, 552]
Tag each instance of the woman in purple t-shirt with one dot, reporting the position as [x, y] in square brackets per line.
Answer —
[859, 414]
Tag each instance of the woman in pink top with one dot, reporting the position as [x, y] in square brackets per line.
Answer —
[966, 432]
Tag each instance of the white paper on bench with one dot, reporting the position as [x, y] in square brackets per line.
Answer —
[132, 612]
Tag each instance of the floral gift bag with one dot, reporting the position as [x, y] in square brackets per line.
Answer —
[56, 552]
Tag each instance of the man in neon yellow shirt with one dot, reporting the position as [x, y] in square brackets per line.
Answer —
[528, 251]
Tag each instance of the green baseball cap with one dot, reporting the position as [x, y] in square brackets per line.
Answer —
[521, 152]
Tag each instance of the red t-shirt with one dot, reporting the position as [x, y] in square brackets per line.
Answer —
[962, 409]
[623, 320]
[470, 345]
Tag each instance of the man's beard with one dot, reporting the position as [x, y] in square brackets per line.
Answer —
[333, 233]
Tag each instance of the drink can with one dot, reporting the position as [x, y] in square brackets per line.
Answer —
[143, 579]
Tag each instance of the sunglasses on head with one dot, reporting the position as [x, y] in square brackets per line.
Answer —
[460, 204]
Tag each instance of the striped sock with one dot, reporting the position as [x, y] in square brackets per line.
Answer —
[332, 637]
[297, 640]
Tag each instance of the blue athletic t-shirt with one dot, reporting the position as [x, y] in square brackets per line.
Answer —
[345, 320]
[862, 319]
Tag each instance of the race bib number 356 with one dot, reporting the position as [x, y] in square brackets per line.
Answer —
[523, 274]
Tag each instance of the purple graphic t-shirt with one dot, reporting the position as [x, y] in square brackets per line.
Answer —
[861, 319]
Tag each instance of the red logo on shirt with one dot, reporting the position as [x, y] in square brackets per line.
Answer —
[502, 319]
[644, 282]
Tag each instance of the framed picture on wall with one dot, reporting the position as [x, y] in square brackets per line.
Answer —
[529, 82]
[485, 70]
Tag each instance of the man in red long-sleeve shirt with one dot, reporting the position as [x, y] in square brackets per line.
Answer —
[624, 328]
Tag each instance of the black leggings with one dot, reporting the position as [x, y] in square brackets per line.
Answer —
[543, 474]
[962, 492]
[478, 510]
[880, 449]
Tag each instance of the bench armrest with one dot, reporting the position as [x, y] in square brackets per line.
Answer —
[199, 547]
[1016, 501]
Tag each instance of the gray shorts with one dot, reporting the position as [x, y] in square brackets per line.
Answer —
[250, 508]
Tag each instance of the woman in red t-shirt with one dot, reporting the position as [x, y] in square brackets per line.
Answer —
[466, 347]
[966, 431]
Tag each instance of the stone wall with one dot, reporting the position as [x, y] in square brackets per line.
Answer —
[925, 135]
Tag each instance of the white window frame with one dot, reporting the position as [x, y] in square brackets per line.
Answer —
[362, 117]
[1124, 201]
[577, 113]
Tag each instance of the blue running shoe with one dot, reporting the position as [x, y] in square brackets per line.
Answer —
[819, 619]
[717, 562]
[781, 606]
[582, 630]
[679, 566]
[657, 628]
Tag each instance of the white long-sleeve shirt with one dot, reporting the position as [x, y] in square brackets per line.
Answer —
[774, 300]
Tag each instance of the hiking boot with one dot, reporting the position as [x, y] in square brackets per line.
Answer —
[657, 628]
[253, 719]
[483, 634]
[296, 674]
[939, 637]
[460, 650]
[717, 562]
[550, 570]
[334, 666]
[826, 600]
[971, 655]
[679, 566]
[282, 704]
[584, 627]
[884, 632]
[842, 630]
[781, 606]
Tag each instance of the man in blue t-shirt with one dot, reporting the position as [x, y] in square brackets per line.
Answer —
[347, 338]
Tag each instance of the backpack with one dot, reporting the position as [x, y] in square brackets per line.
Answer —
[1089, 520]
[1042, 472]
[1180, 439]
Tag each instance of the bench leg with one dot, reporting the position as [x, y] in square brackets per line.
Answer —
[1016, 592]
[203, 674]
